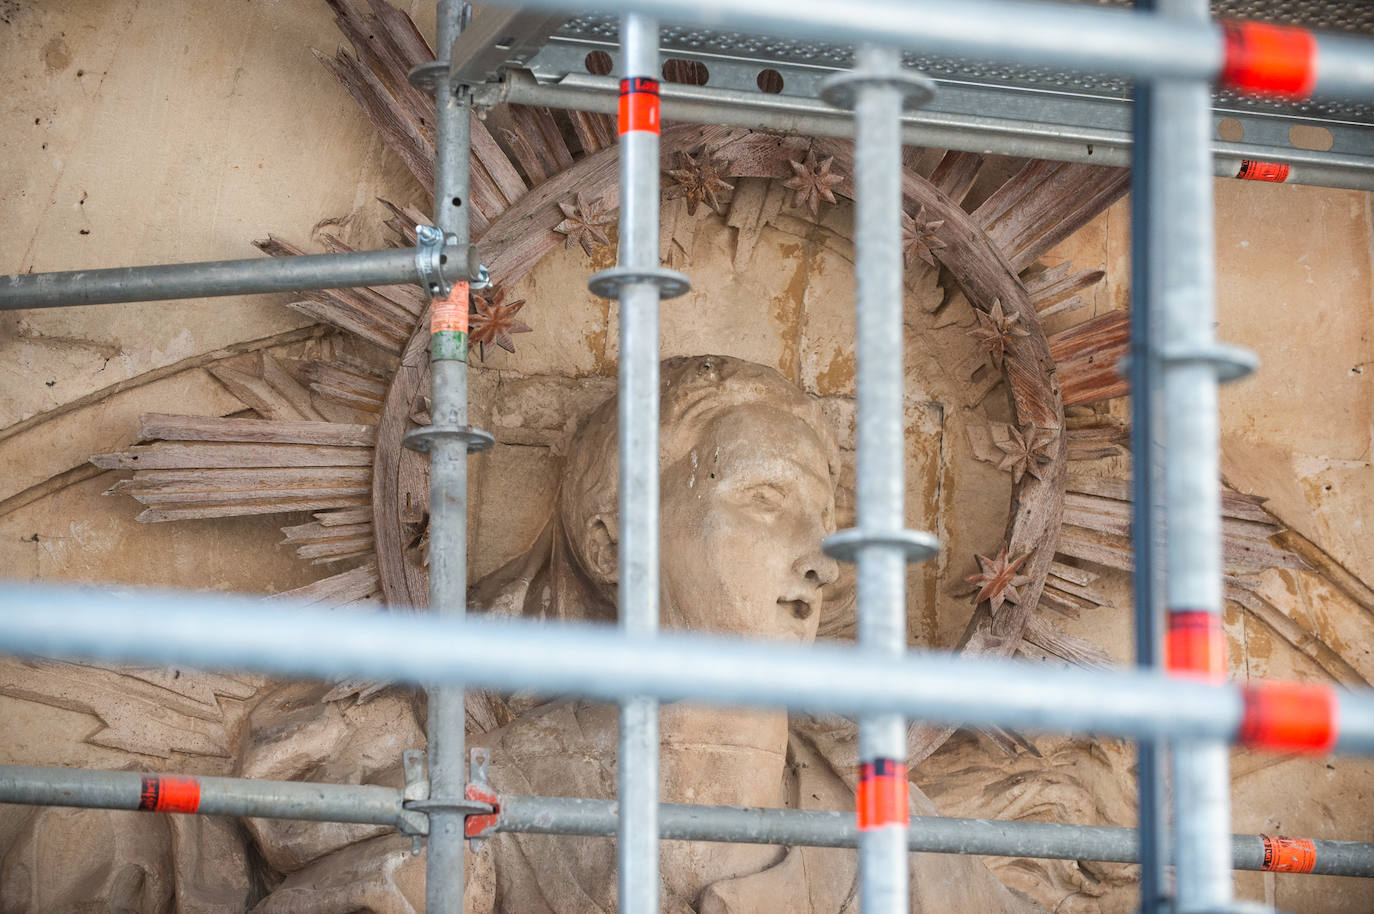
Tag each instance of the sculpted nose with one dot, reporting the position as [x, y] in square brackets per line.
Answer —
[817, 568]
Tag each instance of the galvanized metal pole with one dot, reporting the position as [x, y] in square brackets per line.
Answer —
[535, 815]
[448, 480]
[208, 796]
[880, 543]
[1101, 144]
[1146, 488]
[234, 277]
[637, 760]
[583, 659]
[1181, 284]
[929, 834]
[881, 473]
[639, 282]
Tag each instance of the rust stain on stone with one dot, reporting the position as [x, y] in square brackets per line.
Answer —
[786, 311]
[604, 256]
[1258, 644]
[1286, 578]
[595, 341]
[838, 377]
[56, 56]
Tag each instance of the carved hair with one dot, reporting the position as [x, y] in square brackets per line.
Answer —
[693, 390]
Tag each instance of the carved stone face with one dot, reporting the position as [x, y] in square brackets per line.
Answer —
[743, 516]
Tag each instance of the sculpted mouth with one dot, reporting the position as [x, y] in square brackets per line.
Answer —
[800, 609]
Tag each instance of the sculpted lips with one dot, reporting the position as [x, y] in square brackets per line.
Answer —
[800, 609]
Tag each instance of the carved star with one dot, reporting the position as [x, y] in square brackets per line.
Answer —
[996, 329]
[918, 238]
[582, 223]
[812, 182]
[998, 580]
[698, 178]
[493, 321]
[1025, 450]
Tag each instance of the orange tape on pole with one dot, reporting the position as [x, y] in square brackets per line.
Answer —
[1253, 170]
[169, 794]
[1196, 645]
[639, 104]
[450, 313]
[882, 796]
[1288, 855]
[1269, 59]
[476, 826]
[1289, 717]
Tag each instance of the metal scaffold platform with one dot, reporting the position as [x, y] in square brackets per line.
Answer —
[1074, 81]
[770, 82]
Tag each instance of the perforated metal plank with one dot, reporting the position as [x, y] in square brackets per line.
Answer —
[981, 106]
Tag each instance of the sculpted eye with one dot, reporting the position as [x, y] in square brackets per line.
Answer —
[767, 496]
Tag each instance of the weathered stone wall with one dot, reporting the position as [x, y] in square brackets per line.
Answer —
[156, 132]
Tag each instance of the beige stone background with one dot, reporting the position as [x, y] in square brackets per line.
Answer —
[145, 132]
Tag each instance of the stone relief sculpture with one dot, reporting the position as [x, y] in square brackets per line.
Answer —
[749, 468]
[1009, 387]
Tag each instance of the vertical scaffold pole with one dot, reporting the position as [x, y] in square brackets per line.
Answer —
[875, 89]
[448, 441]
[637, 830]
[881, 477]
[1146, 490]
[1181, 282]
[640, 283]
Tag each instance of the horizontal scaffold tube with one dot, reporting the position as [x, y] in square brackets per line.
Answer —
[210, 796]
[221, 631]
[1058, 36]
[228, 277]
[931, 834]
[597, 818]
[1100, 145]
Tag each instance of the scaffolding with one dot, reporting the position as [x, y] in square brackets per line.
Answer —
[1183, 714]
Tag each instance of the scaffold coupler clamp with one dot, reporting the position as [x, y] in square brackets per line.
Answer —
[418, 803]
[479, 825]
[440, 259]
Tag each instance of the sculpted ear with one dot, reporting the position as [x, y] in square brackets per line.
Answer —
[601, 549]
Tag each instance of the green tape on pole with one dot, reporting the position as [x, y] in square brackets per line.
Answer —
[449, 344]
